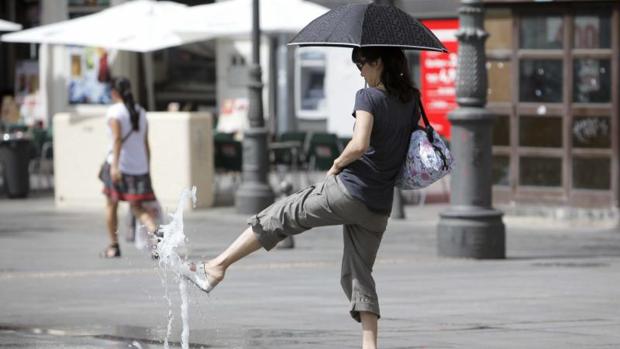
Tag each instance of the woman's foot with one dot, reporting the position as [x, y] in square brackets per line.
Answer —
[205, 276]
[112, 251]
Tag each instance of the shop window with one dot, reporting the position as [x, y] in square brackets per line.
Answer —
[592, 80]
[311, 91]
[592, 132]
[591, 173]
[498, 23]
[593, 31]
[193, 66]
[89, 81]
[501, 170]
[500, 82]
[540, 171]
[541, 32]
[537, 131]
[540, 80]
[501, 131]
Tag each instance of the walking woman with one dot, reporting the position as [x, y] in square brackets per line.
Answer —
[356, 193]
[126, 173]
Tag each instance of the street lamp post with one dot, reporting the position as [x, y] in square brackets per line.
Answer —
[470, 227]
[255, 194]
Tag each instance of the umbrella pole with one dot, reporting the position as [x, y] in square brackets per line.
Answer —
[147, 65]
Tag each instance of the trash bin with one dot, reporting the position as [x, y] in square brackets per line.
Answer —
[15, 152]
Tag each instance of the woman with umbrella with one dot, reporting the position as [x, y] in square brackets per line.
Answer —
[357, 191]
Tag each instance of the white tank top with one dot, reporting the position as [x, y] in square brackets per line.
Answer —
[133, 159]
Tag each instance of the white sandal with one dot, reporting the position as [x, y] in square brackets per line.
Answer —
[197, 278]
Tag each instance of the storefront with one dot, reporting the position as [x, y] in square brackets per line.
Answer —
[554, 85]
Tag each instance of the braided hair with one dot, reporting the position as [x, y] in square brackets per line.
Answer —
[395, 76]
[123, 87]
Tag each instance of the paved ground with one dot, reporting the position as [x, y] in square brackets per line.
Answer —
[558, 288]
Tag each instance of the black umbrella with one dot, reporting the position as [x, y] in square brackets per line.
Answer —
[360, 25]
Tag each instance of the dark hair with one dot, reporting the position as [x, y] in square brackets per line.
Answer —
[123, 87]
[395, 75]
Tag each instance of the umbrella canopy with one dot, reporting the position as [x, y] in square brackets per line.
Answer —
[139, 26]
[234, 17]
[360, 25]
[6, 26]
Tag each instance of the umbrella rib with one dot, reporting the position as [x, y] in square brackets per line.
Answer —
[348, 44]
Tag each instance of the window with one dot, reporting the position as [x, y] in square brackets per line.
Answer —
[541, 32]
[540, 171]
[591, 173]
[561, 100]
[592, 80]
[501, 170]
[593, 30]
[500, 87]
[498, 23]
[501, 130]
[592, 132]
[311, 83]
[540, 131]
[540, 80]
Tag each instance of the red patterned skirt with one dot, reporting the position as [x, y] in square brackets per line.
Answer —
[131, 188]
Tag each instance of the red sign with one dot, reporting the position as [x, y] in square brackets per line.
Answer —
[438, 75]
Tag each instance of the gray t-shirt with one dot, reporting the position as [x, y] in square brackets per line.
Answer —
[371, 178]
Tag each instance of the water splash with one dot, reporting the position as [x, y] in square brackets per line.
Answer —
[172, 252]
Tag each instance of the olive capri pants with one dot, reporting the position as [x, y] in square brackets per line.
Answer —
[329, 203]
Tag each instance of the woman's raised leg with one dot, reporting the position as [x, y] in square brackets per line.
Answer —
[215, 268]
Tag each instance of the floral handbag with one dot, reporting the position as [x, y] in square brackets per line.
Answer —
[428, 158]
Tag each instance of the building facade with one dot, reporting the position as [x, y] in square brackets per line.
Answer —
[554, 85]
[553, 69]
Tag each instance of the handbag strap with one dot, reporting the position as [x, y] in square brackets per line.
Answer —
[126, 136]
[122, 141]
[427, 125]
[430, 134]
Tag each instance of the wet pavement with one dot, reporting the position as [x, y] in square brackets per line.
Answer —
[557, 288]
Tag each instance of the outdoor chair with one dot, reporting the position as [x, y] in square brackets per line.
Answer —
[285, 156]
[322, 151]
[291, 159]
[228, 154]
[42, 162]
[218, 158]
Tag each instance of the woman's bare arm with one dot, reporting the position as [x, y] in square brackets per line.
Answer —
[359, 142]
[115, 126]
[147, 146]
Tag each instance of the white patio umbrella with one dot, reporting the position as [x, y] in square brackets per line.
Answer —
[234, 17]
[6, 26]
[138, 26]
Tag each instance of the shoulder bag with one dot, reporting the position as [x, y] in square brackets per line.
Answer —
[428, 157]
